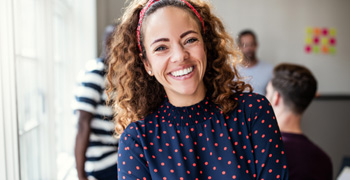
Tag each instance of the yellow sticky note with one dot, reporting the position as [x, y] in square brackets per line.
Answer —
[332, 32]
[309, 31]
[324, 41]
[308, 40]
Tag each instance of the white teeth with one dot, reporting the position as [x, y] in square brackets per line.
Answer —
[182, 72]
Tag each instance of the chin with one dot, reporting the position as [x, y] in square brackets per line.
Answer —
[188, 92]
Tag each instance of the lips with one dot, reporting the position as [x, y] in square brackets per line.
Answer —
[182, 72]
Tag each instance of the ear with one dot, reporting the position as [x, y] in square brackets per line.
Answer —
[146, 63]
[276, 98]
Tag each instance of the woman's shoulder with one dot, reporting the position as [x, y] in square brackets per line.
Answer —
[140, 125]
[250, 97]
[251, 101]
[139, 130]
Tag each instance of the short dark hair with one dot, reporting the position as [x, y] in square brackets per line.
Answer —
[296, 84]
[246, 32]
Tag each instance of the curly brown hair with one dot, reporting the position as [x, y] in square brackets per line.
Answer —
[296, 84]
[134, 94]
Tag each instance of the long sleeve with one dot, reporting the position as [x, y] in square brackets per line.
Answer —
[131, 160]
[270, 159]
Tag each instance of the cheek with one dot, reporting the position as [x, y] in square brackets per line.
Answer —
[205, 64]
[268, 95]
[158, 65]
[204, 59]
[244, 50]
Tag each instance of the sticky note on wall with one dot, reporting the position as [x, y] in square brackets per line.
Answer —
[320, 40]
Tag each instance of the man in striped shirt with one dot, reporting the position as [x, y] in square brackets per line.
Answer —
[95, 147]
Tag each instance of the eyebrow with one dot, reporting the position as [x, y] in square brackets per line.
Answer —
[187, 32]
[181, 36]
[160, 39]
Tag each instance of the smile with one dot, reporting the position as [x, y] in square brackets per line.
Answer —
[182, 72]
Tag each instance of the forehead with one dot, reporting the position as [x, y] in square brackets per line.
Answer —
[247, 37]
[169, 18]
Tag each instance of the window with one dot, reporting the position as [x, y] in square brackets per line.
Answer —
[43, 45]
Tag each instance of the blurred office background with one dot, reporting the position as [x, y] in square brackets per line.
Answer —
[45, 43]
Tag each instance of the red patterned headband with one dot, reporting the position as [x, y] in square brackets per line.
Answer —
[149, 4]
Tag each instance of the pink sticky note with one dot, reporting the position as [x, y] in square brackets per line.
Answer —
[325, 31]
[316, 40]
[332, 41]
[308, 49]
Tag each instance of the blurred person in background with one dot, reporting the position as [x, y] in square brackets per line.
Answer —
[256, 72]
[95, 146]
[290, 92]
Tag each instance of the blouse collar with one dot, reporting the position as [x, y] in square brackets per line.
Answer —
[188, 115]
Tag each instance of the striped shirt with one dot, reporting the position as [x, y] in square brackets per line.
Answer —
[90, 96]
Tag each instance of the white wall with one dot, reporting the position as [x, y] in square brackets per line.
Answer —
[108, 11]
[280, 26]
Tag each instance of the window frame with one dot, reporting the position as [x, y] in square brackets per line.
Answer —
[8, 108]
[82, 47]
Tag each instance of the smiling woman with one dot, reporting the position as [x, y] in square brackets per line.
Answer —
[176, 56]
[182, 113]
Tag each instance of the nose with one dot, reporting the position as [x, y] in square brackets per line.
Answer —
[180, 53]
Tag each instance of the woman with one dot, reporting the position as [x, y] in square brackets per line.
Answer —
[171, 67]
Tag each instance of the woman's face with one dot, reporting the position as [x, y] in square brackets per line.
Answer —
[176, 54]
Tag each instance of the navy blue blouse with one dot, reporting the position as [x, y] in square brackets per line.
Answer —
[200, 142]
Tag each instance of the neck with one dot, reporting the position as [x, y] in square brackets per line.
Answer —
[187, 100]
[289, 122]
[249, 63]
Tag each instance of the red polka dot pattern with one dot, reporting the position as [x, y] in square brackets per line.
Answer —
[200, 142]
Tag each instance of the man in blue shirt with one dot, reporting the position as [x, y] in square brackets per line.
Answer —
[255, 72]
